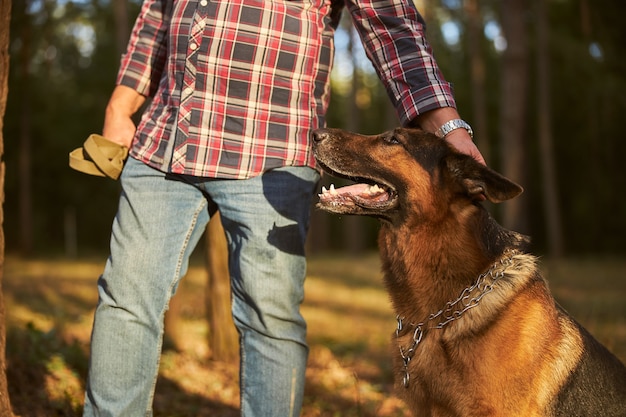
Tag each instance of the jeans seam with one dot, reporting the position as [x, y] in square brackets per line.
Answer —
[176, 279]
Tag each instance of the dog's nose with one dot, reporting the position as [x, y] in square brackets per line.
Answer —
[319, 135]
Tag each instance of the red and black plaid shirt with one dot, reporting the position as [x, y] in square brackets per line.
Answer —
[238, 85]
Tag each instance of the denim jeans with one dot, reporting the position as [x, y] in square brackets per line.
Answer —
[160, 219]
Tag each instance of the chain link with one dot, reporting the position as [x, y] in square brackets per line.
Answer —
[453, 310]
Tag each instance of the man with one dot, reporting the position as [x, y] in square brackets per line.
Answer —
[236, 87]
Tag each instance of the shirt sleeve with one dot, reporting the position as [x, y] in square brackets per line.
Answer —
[142, 64]
[392, 32]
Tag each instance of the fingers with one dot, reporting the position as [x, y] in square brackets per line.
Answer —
[463, 143]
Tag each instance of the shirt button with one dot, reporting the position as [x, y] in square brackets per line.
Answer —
[193, 46]
[203, 3]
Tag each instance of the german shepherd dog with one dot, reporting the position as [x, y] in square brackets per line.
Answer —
[479, 333]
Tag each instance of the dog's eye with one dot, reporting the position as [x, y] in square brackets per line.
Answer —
[391, 139]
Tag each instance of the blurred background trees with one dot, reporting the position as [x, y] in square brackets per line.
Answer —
[541, 81]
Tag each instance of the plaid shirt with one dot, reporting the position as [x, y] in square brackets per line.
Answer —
[238, 85]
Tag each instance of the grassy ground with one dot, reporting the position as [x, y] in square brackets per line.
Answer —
[50, 308]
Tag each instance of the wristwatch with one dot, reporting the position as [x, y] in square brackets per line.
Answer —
[454, 124]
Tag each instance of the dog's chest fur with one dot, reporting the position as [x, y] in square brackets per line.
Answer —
[504, 330]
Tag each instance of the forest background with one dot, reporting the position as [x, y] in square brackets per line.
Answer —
[541, 82]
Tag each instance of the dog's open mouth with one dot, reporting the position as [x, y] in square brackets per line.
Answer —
[365, 194]
[362, 195]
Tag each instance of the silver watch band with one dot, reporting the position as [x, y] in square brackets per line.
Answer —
[453, 124]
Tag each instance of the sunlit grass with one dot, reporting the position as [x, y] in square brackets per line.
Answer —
[50, 304]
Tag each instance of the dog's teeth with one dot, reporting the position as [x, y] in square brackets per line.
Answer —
[324, 190]
[332, 189]
[374, 189]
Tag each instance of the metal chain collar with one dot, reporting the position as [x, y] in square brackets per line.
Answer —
[452, 311]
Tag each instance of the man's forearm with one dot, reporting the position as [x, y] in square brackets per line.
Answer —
[432, 120]
[118, 123]
[124, 101]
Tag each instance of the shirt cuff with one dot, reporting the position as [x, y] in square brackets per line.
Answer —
[416, 102]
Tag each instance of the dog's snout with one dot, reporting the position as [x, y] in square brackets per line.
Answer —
[320, 135]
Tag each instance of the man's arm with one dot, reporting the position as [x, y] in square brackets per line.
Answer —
[140, 70]
[145, 58]
[392, 32]
[118, 124]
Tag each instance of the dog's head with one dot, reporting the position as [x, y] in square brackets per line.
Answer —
[403, 172]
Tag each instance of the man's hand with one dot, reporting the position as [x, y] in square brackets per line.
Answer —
[462, 142]
[459, 138]
[118, 124]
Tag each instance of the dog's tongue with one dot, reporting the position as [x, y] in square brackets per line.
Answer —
[363, 191]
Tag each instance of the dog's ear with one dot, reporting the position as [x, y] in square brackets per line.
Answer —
[481, 182]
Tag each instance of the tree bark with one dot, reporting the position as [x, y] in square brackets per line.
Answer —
[422, 7]
[5, 18]
[550, 189]
[223, 337]
[122, 25]
[353, 226]
[480, 120]
[25, 149]
[514, 98]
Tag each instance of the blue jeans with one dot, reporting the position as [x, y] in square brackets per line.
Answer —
[160, 219]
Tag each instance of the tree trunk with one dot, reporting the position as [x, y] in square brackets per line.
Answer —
[353, 227]
[480, 120]
[25, 151]
[423, 8]
[5, 18]
[550, 189]
[223, 337]
[514, 97]
[122, 25]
